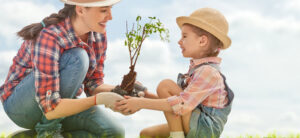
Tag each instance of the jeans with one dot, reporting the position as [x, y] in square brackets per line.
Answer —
[22, 108]
[208, 122]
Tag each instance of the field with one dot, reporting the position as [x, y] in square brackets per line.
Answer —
[269, 135]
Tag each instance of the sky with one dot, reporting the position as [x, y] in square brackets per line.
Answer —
[261, 65]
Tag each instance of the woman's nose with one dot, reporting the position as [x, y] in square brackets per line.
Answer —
[109, 16]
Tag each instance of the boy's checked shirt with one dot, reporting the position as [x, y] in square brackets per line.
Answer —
[42, 58]
[205, 86]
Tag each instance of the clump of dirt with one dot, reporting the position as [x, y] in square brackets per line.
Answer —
[128, 81]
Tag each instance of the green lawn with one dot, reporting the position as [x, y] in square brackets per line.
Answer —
[270, 135]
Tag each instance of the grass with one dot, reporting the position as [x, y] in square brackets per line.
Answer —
[2, 135]
[269, 135]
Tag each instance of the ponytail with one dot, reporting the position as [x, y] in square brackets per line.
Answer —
[31, 31]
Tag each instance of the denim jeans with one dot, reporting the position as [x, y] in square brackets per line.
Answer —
[22, 108]
[208, 122]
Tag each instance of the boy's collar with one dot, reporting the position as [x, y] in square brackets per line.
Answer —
[195, 62]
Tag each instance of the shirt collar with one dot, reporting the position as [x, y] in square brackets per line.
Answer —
[195, 62]
[92, 36]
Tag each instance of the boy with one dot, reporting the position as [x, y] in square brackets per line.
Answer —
[198, 105]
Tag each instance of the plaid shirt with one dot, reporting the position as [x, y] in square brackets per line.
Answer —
[42, 58]
[205, 86]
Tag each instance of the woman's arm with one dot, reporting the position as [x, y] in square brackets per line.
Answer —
[67, 107]
[103, 88]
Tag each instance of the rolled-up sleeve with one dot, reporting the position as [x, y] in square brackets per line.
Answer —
[46, 54]
[96, 79]
[203, 83]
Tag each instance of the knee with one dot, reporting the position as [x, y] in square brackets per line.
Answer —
[163, 87]
[77, 57]
[82, 58]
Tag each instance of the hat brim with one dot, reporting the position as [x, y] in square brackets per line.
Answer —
[92, 4]
[205, 26]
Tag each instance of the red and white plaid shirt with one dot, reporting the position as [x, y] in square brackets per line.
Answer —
[205, 86]
[42, 58]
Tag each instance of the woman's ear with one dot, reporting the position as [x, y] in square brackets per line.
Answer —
[79, 10]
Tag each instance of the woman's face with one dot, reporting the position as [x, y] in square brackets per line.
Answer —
[95, 18]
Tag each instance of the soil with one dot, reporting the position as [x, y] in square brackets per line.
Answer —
[128, 81]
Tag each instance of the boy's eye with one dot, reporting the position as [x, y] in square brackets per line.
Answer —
[103, 10]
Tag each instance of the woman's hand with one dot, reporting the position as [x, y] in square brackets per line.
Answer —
[129, 105]
[108, 99]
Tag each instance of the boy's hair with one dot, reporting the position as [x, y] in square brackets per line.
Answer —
[215, 43]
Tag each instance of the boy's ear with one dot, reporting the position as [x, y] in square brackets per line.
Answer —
[203, 40]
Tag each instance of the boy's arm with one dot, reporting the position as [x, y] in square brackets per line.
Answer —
[155, 104]
[134, 104]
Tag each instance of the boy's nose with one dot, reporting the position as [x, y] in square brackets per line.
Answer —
[180, 42]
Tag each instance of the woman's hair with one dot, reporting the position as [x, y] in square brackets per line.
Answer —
[215, 44]
[31, 31]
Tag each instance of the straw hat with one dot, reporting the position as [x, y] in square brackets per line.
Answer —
[91, 3]
[209, 20]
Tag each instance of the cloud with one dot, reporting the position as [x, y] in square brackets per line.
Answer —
[290, 117]
[6, 60]
[292, 5]
[19, 14]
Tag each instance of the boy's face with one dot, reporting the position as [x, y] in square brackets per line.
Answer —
[190, 43]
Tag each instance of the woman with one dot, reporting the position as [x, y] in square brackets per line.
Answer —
[58, 56]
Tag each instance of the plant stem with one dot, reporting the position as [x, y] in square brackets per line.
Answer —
[140, 45]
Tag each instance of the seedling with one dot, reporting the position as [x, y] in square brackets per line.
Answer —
[134, 41]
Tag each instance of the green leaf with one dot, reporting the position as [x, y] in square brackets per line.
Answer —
[138, 18]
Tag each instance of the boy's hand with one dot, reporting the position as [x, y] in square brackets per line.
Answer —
[129, 105]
